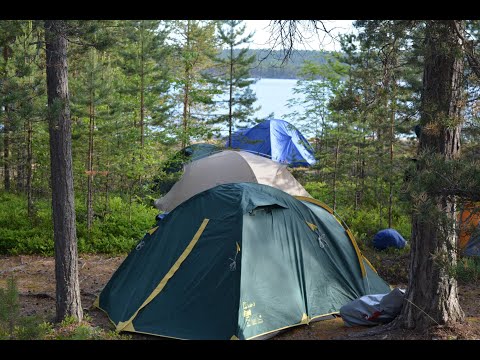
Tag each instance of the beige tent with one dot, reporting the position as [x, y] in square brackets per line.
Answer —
[225, 167]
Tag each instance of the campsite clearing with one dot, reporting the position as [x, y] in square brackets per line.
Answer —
[35, 274]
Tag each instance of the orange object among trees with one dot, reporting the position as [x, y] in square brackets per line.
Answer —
[469, 218]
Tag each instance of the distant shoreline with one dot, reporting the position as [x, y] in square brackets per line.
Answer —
[269, 62]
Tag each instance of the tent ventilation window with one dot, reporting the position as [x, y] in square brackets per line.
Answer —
[266, 208]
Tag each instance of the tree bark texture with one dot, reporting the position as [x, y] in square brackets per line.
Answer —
[392, 141]
[65, 238]
[91, 128]
[21, 176]
[230, 100]
[432, 295]
[30, 169]
[6, 150]
[186, 93]
[335, 170]
[142, 91]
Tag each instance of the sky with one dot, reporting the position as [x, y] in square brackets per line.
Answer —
[315, 42]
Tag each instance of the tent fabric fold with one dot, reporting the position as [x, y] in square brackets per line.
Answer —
[229, 166]
[276, 139]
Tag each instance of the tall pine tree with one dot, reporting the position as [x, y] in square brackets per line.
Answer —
[194, 49]
[232, 75]
[68, 302]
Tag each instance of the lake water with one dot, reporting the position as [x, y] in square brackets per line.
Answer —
[272, 96]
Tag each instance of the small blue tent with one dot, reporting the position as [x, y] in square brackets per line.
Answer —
[276, 139]
[388, 238]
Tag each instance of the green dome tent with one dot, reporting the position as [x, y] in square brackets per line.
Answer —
[176, 163]
[238, 261]
[187, 154]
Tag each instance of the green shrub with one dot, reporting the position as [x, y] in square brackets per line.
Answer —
[391, 264]
[467, 270]
[32, 328]
[113, 232]
[9, 308]
[119, 229]
[70, 329]
[319, 190]
[364, 222]
[82, 332]
[14, 326]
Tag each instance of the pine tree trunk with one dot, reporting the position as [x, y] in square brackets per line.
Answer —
[29, 150]
[91, 128]
[21, 177]
[357, 175]
[379, 199]
[335, 170]
[392, 140]
[431, 287]
[130, 190]
[68, 301]
[186, 93]
[29, 169]
[362, 175]
[230, 100]
[317, 153]
[185, 115]
[142, 93]
[6, 150]
[378, 181]
[107, 187]
[322, 145]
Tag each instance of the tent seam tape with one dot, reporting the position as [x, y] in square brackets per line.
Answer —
[248, 165]
[349, 233]
[357, 250]
[168, 275]
[370, 264]
[99, 308]
[316, 202]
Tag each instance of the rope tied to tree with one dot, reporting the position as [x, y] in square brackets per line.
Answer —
[435, 321]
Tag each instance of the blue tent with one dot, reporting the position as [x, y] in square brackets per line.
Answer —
[276, 139]
[388, 238]
[473, 245]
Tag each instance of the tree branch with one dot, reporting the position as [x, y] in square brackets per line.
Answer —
[288, 33]
[472, 196]
[469, 49]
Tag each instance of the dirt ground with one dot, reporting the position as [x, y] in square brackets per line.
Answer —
[35, 280]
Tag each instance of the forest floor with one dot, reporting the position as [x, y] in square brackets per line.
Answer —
[36, 285]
